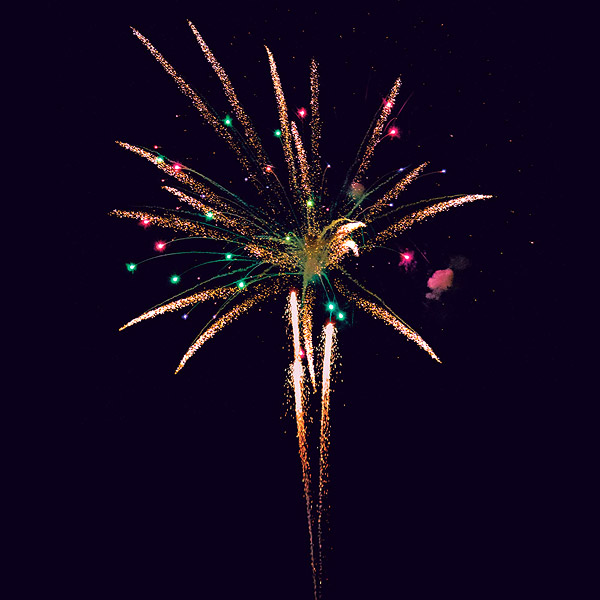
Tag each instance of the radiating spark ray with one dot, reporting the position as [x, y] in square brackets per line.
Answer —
[283, 121]
[182, 303]
[377, 130]
[228, 318]
[387, 316]
[384, 202]
[298, 386]
[240, 113]
[315, 124]
[198, 103]
[420, 215]
[329, 343]
[308, 301]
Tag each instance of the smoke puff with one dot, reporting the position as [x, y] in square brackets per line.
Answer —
[459, 263]
[439, 282]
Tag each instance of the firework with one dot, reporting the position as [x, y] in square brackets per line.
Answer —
[288, 235]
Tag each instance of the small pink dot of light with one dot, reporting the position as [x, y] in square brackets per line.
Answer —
[302, 113]
[301, 353]
[268, 168]
[145, 222]
[177, 167]
[389, 104]
[155, 147]
[160, 246]
[393, 131]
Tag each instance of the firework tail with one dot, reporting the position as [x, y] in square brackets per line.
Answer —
[329, 335]
[298, 385]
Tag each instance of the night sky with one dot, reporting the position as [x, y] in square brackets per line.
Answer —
[446, 480]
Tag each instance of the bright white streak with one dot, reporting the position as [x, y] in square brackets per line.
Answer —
[329, 329]
[295, 324]
[297, 378]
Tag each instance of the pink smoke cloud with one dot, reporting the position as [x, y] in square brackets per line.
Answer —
[439, 282]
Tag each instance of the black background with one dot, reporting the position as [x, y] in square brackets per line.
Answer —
[447, 480]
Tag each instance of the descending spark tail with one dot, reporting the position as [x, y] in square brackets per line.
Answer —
[328, 355]
[297, 373]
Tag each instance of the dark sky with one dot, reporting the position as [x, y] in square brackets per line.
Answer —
[443, 477]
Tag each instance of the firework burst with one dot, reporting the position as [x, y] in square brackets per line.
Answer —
[288, 239]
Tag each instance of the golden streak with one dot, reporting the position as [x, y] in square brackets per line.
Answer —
[297, 373]
[198, 103]
[203, 296]
[387, 316]
[308, 301]
[286, 138]
[175, 223]
[329, 344]
[178, 174]
[377, 130]
[420, 215]
[380, 205]
[237, 311]
[307, 192]
[315, 123]
[240, 113]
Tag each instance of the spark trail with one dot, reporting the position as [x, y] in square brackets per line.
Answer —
[329, 343]
[297, 371]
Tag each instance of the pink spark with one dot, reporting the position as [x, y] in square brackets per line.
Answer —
[177, 167]
[160, 246]
[145, 223]
[302, 113]
[406, 258]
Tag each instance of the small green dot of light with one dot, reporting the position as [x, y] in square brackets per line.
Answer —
[175, 278]
[227, 120]
[160, 159]
[277, 133]
[131, 267]
[241, 285]
[331, 306]
[209, 215]
[229, 256]
[341, 316]
[310, 203]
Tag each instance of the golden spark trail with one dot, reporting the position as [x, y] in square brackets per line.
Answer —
[175, 223]
[315, 124]
[298, 381]
[305, 186]
[377, 130]
[221, 293]
[283, 122]
[259, 295]
[240, 113]
[308, 301]
[387, 316]
[380, 205]
[329, 335]
[420, 215]
[198, 103]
